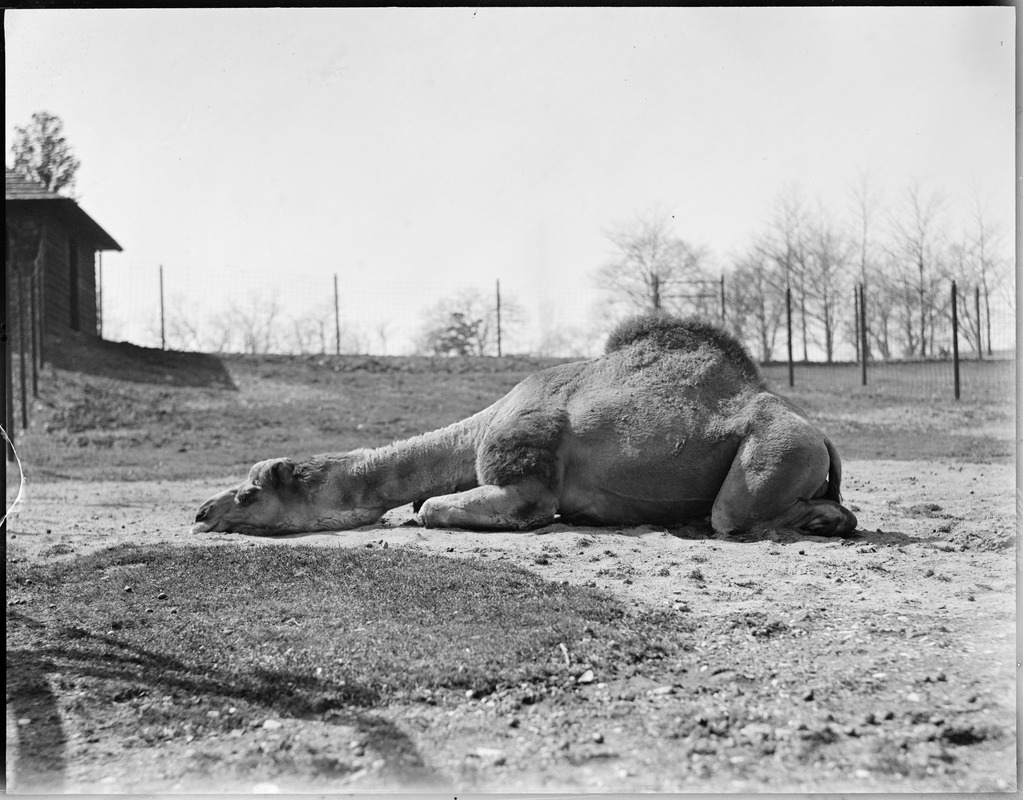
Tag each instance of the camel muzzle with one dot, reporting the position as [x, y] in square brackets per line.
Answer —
[212, 514]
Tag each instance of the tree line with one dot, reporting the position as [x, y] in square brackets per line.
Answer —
[903, 252]
[807, 261]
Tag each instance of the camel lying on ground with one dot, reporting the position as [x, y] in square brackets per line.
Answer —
[671, 424]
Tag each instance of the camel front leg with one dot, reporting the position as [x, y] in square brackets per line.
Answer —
[516, 507]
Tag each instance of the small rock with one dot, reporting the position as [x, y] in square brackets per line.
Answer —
[162, 596]
[597, 737]
[808, 695]
[127, 588]
[662, 690]
[586, 677]
[913, 697]
[272, 725]
[756, 731]
[24, 721]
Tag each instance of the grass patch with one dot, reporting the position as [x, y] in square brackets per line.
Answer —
[214, 638]
[119, 412]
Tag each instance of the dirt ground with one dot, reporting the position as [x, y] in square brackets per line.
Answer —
[918, 606]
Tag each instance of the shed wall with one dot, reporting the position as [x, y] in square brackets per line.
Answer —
[56, 249]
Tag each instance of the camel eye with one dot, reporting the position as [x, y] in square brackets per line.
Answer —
[247, 496]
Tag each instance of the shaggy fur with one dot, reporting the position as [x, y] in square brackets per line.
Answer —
[669, 332]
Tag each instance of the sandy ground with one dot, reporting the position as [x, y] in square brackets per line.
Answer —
[935, 539]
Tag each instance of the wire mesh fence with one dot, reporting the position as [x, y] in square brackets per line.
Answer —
[989, 380]
[230, 310]
[292, 313]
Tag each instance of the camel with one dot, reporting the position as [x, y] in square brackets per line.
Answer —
[672, 423]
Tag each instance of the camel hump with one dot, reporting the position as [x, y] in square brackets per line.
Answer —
[680, 333]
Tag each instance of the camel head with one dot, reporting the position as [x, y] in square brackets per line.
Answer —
[277, 497]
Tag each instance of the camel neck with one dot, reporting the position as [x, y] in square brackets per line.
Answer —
[435, 463]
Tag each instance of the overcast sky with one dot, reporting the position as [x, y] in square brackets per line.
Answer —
[413, 152]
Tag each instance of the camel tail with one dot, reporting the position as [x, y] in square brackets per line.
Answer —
[834, 473]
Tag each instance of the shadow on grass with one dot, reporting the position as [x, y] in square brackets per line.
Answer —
[123, 361]
[74, 653]
[40, 763]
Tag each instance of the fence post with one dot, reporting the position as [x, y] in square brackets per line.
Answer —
[5, 387]
[33, 324]
[337, 319]
[955, 340]
[21, 349]
[8, 361]
[499, 318]
[856, 320]
[976, 303]
[863, 334]
[788, 327]
[99, 296]
[163, 334]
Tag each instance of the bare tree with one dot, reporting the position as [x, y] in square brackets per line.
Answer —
[784, 242]
[880, 304]
[42, 153]
[314, 332]
[308, 334]
[183, 331]
[866, 203]
[914, 249]
[382, 331]
[827, 258]
[651, 269]
[466, 324]
[757, 298]
[982, 252]
[255, 325]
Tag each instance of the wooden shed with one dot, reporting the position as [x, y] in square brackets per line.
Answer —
[50, 238]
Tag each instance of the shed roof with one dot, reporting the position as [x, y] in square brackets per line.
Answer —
[25, 193]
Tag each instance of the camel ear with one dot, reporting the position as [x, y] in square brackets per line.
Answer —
[282, 473]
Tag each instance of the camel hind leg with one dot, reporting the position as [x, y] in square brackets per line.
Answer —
[780, 479]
